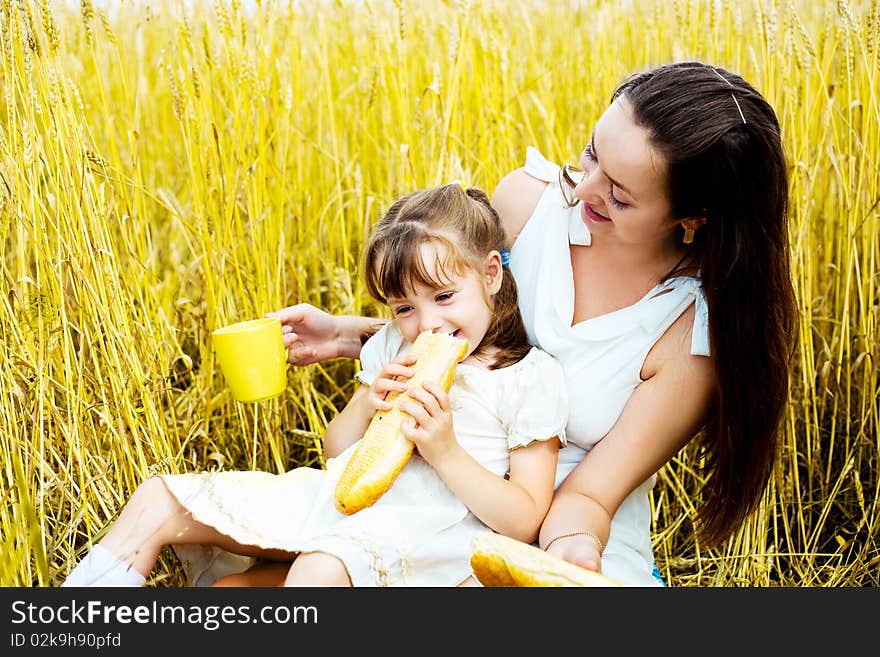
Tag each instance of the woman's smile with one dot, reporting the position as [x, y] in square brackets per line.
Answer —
[590, 214]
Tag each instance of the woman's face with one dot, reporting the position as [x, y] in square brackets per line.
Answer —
[623, 191]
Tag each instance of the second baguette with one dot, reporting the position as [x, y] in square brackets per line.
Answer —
[498, 560]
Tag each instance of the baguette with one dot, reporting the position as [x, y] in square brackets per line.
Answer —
[384, 451]
[502, 561]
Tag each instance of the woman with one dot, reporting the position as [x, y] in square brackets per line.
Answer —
[659, 277]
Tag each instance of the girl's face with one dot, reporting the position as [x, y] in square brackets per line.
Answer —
[460, 306]
[623, 191]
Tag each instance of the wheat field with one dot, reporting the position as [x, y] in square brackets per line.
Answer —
[170, 167]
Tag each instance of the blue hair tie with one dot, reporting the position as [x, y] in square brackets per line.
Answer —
[505, 257]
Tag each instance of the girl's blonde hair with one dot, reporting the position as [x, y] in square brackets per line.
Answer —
[467, 227]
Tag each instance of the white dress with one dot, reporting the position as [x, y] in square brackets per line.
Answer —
[602, 357]
[418, 533]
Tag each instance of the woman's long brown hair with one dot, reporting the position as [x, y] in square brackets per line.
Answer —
[721, 141]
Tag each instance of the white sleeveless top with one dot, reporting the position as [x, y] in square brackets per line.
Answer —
[601, 357]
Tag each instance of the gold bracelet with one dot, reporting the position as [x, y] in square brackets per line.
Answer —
[578, 533]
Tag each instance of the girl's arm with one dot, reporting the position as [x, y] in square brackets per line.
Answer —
[514, 507]
[351, 423]
[662, 415]
[312, 335]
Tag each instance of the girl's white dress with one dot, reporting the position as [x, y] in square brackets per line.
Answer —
[418, 533]
[602, 357]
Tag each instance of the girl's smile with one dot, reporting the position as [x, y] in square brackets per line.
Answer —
[458, 305]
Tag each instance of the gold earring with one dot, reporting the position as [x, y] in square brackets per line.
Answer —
[688, 236]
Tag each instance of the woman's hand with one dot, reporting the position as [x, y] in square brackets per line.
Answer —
[392, 378]
[431, 425]
[310, 334]
[581, 550]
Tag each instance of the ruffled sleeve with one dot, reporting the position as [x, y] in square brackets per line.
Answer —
[382, 347]
[534, 402]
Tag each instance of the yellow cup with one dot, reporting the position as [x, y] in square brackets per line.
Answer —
[252, 358]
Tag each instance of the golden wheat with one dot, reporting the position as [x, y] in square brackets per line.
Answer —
[167, 168]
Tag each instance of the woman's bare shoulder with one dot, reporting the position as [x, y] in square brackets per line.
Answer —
[515, 198]
[672, 351]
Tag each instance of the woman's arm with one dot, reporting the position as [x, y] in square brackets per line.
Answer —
[662, 415]
[312, 335]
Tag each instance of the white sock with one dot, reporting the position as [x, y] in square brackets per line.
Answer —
[100, 567]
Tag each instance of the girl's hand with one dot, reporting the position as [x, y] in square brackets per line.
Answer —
[431, 425]
[581, 550]
[310, 335]
[393, 377]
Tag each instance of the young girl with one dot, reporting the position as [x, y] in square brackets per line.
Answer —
[486, 452]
